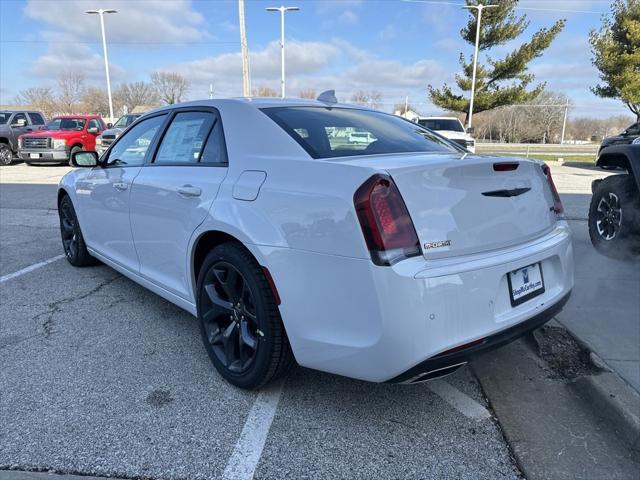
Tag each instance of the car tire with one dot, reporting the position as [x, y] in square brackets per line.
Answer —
[239, 319]
[614, 221]
[73, 243]
[6, 155]
[73, 150]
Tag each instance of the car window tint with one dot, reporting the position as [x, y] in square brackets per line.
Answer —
[93, 123]
[327, 132]
[214, 149]
[185, 138]
[634, 129]
[36, 119]
[131, 148]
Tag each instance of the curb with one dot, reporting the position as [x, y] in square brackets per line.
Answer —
[607, 394]
[611, 399]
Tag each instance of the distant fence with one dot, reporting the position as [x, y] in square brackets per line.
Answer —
[546, 149]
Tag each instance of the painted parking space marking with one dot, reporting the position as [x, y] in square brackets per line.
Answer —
[246, 454]
[30, 268]
[459, 400]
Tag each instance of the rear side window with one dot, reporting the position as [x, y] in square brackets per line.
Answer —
[36, 119]
[185, 138]
[326, 132]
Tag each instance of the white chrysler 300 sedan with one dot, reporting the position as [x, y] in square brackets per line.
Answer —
[394, 260]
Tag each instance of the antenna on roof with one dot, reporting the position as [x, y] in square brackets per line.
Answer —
[328, 96]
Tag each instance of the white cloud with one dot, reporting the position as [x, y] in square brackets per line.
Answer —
[148, 21]
[318, 65]
[78, 58]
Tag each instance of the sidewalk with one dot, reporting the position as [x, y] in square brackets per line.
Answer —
[604, 309]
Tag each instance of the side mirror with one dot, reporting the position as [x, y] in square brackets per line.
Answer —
[471, 130]
[21, 122]
[624, 133]
[109, 125]
[93, 130]
[84, 159]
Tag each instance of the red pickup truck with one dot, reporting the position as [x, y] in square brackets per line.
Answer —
[59, 138]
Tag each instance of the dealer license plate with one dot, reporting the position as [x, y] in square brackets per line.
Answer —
[525, 283]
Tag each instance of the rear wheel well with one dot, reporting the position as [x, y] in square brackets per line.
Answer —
[616, 159]
[207, 242]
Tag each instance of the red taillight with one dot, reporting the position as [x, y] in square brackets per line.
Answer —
[385, 221]
[558, 208]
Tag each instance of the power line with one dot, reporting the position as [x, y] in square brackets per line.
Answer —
[560, 10]
[117, 43]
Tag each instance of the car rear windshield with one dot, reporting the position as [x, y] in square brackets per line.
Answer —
[66, 124]
[326, 132]
[441, 124]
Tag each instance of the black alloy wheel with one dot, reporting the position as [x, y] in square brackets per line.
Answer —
[239, 319]
[230, 318]
[72, 240]
[608, 216]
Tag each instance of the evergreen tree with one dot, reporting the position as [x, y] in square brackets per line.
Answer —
[616, 53]
[498, 81]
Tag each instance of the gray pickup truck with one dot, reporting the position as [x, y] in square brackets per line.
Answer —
[14, 123]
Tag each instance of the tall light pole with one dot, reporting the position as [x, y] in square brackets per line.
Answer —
[479, 8]
[101, 12]
[282, 10]
[246, 82]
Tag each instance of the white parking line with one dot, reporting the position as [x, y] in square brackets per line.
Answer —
[246, 454]
[461, 401]
[30, 268]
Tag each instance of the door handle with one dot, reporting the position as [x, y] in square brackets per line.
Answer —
[189, 191]
[120, 186]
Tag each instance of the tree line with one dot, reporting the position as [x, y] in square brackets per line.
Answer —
[72, 94]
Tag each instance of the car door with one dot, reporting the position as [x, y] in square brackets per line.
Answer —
[103, 194]
[20, 125]
[173, 193]
[89, 137]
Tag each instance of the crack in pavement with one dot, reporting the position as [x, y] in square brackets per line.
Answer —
[56, 307]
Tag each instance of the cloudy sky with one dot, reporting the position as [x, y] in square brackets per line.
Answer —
[394, 46]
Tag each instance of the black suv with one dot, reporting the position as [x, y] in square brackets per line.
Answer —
[624, 138]
[14, 123]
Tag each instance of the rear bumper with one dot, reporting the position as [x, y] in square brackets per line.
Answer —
[347, 316]
[44, 155]
[444, 362]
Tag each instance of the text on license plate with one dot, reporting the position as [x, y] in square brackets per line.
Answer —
[525, 283]
[34, 155]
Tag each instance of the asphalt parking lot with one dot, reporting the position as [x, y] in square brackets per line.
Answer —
[101, 377]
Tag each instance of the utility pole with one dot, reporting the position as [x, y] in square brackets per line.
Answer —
[246, 84]
[479, 8]
[101, 13]
[564, 122]
[210, 91]
[282, 11]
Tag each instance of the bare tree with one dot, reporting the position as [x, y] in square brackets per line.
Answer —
[136, 94]
[371, 99]
[264, 92]
[71, 88]
[95, 100]
[171, 87]
[38, 98]
[308, 93]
